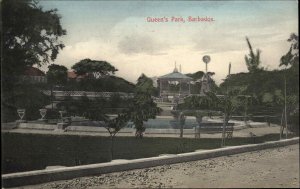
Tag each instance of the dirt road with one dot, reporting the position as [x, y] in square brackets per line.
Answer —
[278, 167]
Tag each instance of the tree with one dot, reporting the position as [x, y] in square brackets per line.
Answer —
[114, 125]
[27, 96]
[182, 118]
[292, 56]
[88, 66]
[253, 61]
[199, 117]
[196, 75]
[227, 104]
[143, 106]
[57, 74]
[30, 36]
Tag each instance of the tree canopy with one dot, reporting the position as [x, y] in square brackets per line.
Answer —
[145, 85]
[143, 107]
[292, 56]
[196, 75]
[87, 66]
[30, 35]
[57, 74]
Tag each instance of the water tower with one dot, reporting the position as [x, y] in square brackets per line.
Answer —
[206, 60]
[205, 81]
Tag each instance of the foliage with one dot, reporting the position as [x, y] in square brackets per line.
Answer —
[196, 75]
[109, 83]
[88, 66]
[226, 104]
[30, 35]
[145, 85]
[143, 107]
[25, 96]
[196, 103]
[114, 125]
[199, 115]
[266, 87]
[292, 56]
[92, 109]
[252, 60]
[57, 74]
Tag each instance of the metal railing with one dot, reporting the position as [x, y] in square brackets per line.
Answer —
[87, 93]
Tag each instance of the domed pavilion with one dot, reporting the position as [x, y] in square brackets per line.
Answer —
[174, 85]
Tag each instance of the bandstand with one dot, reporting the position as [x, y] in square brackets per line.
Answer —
[174, 85]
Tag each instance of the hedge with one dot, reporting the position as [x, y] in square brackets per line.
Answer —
[24, 152]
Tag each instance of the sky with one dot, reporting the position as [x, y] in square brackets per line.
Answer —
[120, 33]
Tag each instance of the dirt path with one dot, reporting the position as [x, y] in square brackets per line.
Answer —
[258, 131]
[278, 167]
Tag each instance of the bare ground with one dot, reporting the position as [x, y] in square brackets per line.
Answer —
[276, 168]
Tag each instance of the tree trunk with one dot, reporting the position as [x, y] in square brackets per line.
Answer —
[112, 137]
[245, 115]
[181, 130]
[224, 129]
[285, 113]
[199, 121]
[52, 97]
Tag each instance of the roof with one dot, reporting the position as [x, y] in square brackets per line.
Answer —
[32, 71]
[175, 75]
[73, 75]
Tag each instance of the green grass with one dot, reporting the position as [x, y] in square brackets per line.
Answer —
[23, 152]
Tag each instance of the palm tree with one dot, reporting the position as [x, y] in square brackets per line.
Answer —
[252, 60]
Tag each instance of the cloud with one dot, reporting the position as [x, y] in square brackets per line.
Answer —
[136, 43]
[219, 40]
